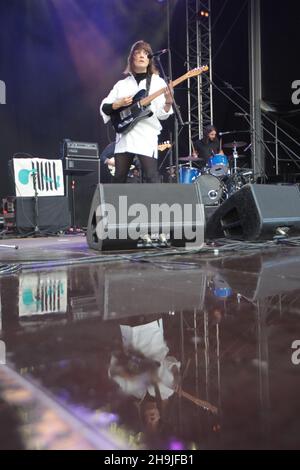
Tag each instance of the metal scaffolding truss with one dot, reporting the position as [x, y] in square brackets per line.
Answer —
[198, 42]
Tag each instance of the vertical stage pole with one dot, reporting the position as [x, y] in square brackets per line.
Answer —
[255, 72]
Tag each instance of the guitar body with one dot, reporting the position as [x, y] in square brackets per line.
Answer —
[124, 119]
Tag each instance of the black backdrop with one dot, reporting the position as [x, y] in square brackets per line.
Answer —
[58, 58]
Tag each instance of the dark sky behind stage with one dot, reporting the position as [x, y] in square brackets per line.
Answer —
[58, 58]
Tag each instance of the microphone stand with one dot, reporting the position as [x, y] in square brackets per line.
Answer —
[36, 206]
[177, 115]
[37, 232]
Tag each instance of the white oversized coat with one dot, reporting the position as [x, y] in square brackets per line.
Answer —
[143, 137]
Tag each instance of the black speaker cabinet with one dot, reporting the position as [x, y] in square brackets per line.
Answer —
[82, 177]
[53, 214]
[256, 212]
[123, 214]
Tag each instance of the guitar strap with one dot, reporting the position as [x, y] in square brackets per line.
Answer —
[148, 83]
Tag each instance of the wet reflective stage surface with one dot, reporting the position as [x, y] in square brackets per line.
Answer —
[194, 352]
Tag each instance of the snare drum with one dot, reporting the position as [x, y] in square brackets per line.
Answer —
[219, 165]
[188, 175]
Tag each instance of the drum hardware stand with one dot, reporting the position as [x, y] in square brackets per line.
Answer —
[235, 159]
[235, 169]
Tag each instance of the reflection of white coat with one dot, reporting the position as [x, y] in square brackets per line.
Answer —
[142, 139]
[149, 340]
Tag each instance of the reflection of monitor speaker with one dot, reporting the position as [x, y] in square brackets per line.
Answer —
[121, 214]
[264, 275]
[257, 212]
[171, 293]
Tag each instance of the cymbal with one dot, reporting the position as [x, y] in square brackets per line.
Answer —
[231, 145]
[173, 167]
[190, 158]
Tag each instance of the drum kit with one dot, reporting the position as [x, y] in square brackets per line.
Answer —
[219, 178]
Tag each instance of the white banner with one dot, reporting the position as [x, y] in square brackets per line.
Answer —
[43, 293]
[40, 175]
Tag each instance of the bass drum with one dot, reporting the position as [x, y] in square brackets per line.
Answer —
[212, 190]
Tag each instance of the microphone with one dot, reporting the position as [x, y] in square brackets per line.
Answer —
[241, 114]
[155, 54]
[224, 133]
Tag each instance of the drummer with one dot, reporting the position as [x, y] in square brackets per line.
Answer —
[208, 146]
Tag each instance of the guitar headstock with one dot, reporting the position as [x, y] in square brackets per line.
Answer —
[164, 146]
[197, 71]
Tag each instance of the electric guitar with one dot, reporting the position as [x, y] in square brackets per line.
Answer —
[125, 118]
[164, 146]
[201, 403]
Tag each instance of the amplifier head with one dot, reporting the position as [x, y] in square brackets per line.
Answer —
[70, 148]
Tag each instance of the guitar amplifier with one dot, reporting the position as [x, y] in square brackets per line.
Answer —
[83, 150]
[81, 167]
[81, 179]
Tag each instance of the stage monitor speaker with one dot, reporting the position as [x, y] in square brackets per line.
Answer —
[257, 212]
[82, 177]
[53, 214]
[123, 216]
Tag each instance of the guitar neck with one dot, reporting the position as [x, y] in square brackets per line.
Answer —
[198, 402]
[147, 100]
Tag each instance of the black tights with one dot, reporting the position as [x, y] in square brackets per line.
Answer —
[123, 161]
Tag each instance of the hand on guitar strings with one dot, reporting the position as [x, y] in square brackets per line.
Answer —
[127, 101]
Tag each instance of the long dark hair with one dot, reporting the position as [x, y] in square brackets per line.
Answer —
[137, 46]
[207, 130]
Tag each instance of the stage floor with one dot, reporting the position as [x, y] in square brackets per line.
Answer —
[149, 349]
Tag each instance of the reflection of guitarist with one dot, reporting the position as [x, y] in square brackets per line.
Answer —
[141, 139]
